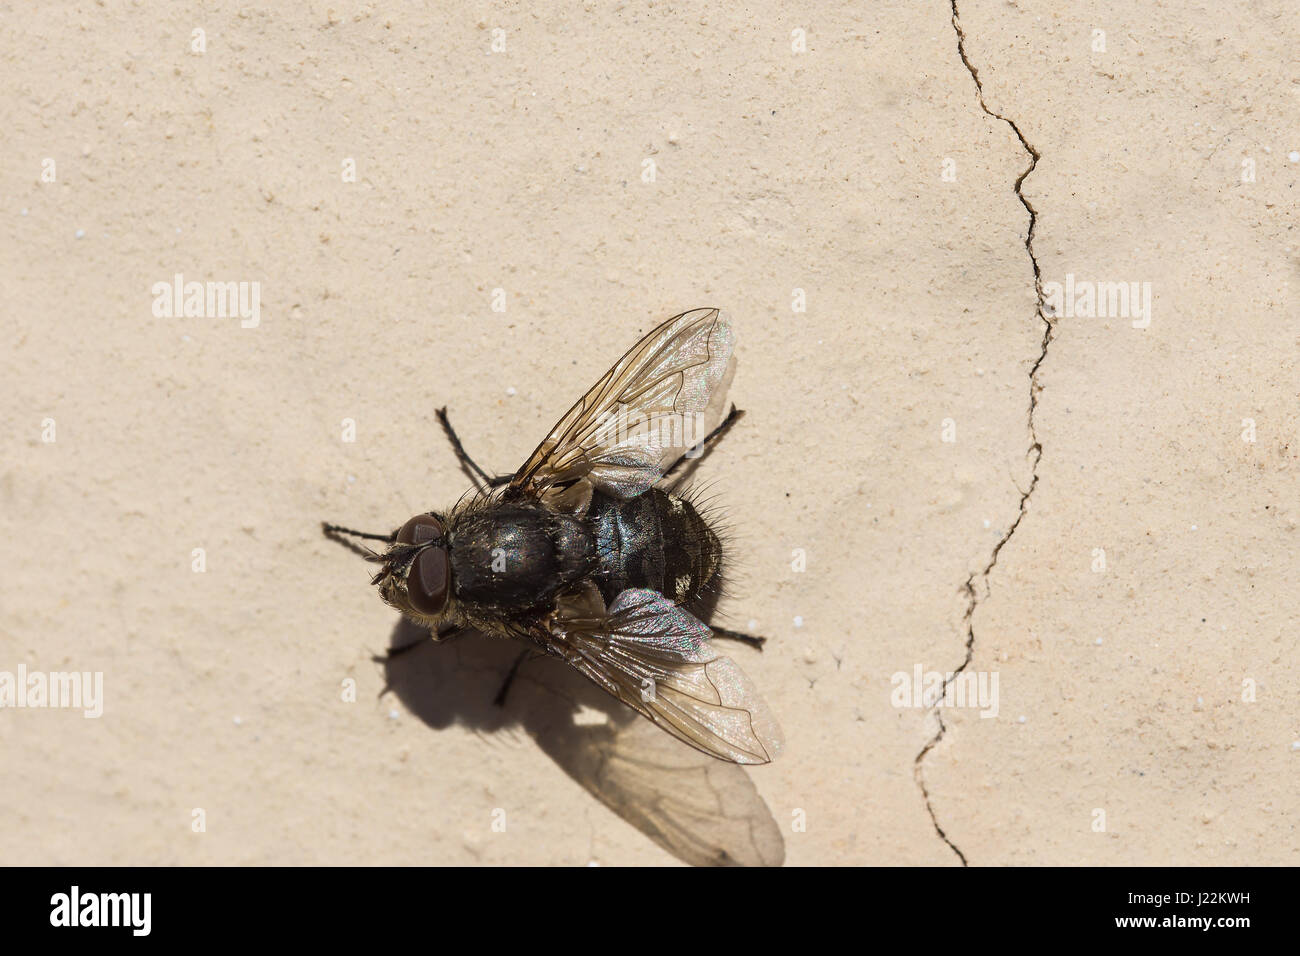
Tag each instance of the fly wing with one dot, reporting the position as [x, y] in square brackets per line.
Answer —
[658, 400]
[656, 657]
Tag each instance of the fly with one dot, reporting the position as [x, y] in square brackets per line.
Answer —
[588, 554]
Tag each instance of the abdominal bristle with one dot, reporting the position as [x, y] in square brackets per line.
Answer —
[709, 505]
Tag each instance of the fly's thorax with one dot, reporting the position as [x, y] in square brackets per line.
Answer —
[516, 556]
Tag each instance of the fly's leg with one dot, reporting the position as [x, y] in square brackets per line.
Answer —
[405, 648]
[700, 449]
[451, 631]
[500, 699]
[753, 640]
[467, 462]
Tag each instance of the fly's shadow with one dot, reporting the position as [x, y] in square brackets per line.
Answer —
[704, 811]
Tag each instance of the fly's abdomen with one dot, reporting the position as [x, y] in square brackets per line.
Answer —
[655, 540]
[519, 557]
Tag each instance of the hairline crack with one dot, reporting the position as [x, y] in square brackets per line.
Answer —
[1034, 452]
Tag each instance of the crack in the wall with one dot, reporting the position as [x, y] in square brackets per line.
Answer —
[1035, 451]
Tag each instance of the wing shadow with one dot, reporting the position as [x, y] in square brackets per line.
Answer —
[704, 811]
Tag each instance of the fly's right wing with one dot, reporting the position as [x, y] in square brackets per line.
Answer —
[655, 656]
[657, 401]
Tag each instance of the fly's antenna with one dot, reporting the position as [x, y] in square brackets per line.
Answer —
[339, 529]
[344, 535]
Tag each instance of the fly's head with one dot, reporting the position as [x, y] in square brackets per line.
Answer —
[416, 577]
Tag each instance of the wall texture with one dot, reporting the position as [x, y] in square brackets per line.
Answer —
[1093, 506]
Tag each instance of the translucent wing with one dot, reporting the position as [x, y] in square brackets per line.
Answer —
[655, 657]
[655, 403]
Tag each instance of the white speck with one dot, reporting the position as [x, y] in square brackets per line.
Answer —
[1295, 745]
[752, 624]
[1021, 719]
[593, 863]
[1199, 701]
[988, 523]
[510, 390]
[24, 212]
[798, 621]
[185, 338]
[351, 478]
[178, 230]
[1193, 527]
[392, 715]
[1293, 156]
[1099, 641]
[238, 721]
[81, 233]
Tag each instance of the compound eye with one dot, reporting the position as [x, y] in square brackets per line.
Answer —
[428, 581]
[420, 529]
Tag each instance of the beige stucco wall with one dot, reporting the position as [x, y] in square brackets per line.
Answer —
[819, 169]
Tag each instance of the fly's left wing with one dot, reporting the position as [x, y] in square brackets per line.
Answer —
[657, 401]
[656, 657]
